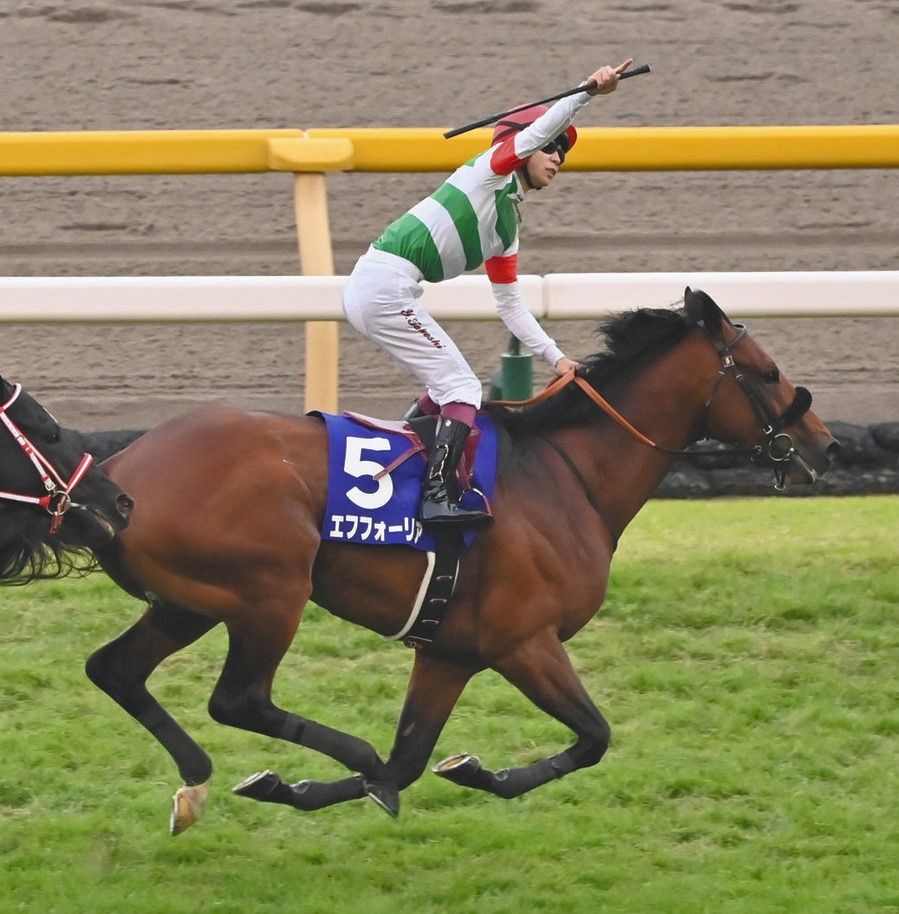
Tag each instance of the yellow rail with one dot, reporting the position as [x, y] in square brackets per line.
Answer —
[424, 149]
[642, 148]
[129, 152]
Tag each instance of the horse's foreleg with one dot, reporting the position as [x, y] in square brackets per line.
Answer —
[434, 689]
[121, 668]
[242, 698]
[542, 670]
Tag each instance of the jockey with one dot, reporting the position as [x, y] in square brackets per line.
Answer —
[470, 219]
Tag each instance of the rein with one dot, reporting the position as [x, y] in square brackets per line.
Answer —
[778, 447]
[58, 497]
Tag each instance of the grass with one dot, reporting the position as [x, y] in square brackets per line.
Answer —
[745, 659]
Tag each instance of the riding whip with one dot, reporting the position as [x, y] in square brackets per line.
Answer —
[485, 121]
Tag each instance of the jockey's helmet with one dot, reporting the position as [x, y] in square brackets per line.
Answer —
[513, 123]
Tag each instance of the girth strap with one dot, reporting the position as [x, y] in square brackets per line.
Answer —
[424, 624]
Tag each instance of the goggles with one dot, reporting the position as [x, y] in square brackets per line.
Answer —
[559, 145]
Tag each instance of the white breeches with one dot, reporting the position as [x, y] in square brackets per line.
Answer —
[379, 300]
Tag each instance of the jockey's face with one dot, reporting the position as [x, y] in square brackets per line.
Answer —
[543, 167]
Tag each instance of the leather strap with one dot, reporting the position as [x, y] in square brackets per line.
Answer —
[439, 590]
[595, 503]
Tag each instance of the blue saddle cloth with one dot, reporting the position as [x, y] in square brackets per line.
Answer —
[384, 512]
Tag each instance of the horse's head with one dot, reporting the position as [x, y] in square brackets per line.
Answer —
[753, 403]
[47, 482]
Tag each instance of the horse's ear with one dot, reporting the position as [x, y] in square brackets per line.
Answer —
[699, 306]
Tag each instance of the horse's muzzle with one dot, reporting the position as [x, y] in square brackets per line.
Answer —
[803, 470]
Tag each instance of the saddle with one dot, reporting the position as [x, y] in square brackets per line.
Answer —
[439, 580]
[420, 433]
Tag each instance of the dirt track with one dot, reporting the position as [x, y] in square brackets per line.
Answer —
[176, 63]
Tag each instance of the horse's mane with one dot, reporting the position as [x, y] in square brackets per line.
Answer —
[29, 552]
[630, 338]
[104, 444]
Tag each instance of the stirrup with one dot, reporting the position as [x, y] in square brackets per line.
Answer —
[443, 514]
[440, 506]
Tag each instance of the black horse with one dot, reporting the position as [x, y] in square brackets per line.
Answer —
[49, 476]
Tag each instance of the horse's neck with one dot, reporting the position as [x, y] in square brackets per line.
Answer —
[665, 402]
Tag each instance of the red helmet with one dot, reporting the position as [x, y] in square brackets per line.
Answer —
[512, 123]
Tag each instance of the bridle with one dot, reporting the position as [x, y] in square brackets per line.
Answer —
[58, 498]
[778, 447]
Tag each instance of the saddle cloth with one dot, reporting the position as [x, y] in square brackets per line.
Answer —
[366, 505]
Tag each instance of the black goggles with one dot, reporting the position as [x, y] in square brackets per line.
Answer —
[559, 145]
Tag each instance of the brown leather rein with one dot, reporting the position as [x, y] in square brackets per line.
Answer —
[771, 426]
[778, 445]
[563, 381]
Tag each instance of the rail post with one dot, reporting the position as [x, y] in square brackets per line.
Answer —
[515, 378]
[310, 160]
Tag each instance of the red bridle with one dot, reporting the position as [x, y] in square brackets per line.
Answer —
[58, 498]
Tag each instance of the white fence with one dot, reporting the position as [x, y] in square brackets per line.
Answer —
[555, 296]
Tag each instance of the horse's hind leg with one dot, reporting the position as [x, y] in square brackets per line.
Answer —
[121, 668]
[242, 698]
[434, 689]
[542, 670]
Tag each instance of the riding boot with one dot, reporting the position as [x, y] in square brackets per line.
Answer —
[440, 498]
[413, 412]
[416, 410]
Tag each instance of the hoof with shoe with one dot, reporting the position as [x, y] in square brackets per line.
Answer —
[258, 786]
[187, 806]
[267, 787]
[463, 769]
[388, 798]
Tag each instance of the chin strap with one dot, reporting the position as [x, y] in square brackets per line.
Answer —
[523, 171]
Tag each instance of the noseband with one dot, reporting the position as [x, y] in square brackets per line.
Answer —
[58, 499]
[778, 447]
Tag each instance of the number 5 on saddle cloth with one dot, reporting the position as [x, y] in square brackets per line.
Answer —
[375, 473]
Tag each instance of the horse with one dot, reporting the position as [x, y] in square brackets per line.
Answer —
[225, 528]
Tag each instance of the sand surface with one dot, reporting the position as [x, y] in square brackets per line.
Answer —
[285, 63]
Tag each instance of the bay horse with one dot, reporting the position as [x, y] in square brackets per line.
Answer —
[225, 528]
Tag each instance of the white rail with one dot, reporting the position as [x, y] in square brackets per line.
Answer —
[556, 296]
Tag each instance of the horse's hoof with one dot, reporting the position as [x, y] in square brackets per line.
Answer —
[388, 798]
[187, 806]
[462, 769]
[258, 786]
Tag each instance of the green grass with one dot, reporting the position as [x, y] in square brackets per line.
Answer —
[746, 659]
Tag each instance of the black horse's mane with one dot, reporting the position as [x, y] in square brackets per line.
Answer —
[104, 444]
[630, 339]
[29, 552]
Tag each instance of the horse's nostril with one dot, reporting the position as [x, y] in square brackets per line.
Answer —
[124, 505]
[832, 451]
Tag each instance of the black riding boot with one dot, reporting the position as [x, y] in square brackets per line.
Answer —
[440, 497]
[413, 412]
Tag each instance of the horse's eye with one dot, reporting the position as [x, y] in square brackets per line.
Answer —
[771, 377]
